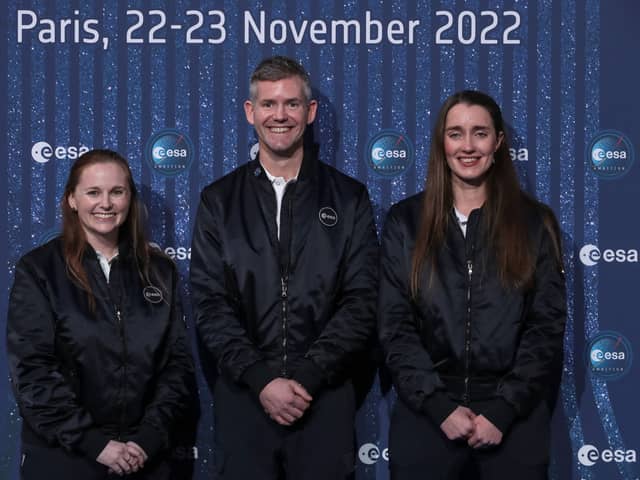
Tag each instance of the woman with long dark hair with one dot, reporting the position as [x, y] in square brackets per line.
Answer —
[472, 308]
[98, 355]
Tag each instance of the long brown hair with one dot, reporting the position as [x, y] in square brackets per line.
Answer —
[131, 231]
[506, 227]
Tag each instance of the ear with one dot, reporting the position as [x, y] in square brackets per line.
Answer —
[311, 114]
[499, 141]
[248, 111]
[72, 202]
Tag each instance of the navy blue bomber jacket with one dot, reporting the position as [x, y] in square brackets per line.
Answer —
[82, 378]
[299, 306]
[464, 336]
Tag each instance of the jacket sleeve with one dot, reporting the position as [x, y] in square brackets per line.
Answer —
[215, 306]
[352, 325]
[47, 401]
[414, 376]
[174, 390]
[539, 354]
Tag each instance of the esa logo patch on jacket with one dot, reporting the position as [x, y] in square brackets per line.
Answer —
[328, 216]
[152, 294]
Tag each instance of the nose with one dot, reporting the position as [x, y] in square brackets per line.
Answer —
[467, 143]
[105, 201]
[280, 112]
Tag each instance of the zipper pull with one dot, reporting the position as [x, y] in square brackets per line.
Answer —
[466, 398]
[469, 273]
[283, 284]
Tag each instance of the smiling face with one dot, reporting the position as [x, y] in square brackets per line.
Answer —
[101, 199]
[280, 113]
[470, 140]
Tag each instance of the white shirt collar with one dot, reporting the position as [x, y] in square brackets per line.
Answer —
[277, 181]
[279, 184]
[462, 220]
[105, 264]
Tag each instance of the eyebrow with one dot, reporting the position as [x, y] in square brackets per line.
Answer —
[474, 128]
[96, 187]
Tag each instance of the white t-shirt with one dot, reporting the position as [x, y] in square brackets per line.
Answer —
[105, 264]
[462, 220]
[279, 186]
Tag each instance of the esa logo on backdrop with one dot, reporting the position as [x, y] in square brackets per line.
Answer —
[610, 154]
[176, 253]
[42, 152]
[389, 153]
[369, 454]
[169, 152]
[590, 255]
[588, 455]
[609, 355]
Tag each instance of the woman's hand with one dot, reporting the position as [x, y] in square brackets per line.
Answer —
[485, 434]
[459, 424]
[116, 456]
[139, 456]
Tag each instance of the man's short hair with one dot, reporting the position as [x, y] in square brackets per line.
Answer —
[276, 68]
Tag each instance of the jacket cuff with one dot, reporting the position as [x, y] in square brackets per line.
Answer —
[92, 443]
[309, 376]
[438, 406]
[257, 376]
[149, 439]
[500, 413]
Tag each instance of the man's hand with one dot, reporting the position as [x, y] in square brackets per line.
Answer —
[284, 400]
[116, 456]
[485, 434]
[459, 424]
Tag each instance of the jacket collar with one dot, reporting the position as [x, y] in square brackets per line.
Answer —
[308, 169]
[304, 201]
[124, 251]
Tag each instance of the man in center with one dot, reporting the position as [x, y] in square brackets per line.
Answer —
[284, 275]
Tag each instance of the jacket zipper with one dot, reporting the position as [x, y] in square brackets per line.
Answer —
[467, 335]
[284, 292]
[124, 371]
[284, 285]
[469, 248]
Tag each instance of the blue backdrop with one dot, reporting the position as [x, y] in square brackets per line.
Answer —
[163, 83]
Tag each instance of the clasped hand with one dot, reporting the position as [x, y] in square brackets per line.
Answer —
[479, 432]
[122, 458]
[285, 400]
